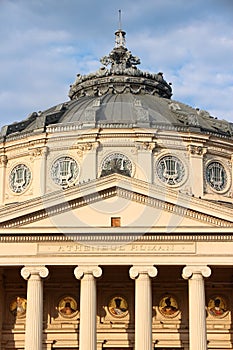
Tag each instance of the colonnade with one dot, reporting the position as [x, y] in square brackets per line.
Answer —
[143, 305]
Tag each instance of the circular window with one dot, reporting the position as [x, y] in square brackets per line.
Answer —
[65, 171]
[20, 177]
[170, 170]
[216, 176]
[116, 163]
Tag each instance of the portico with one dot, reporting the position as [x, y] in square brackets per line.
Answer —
[144, 323]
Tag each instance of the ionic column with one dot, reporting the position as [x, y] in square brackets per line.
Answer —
[197, 313]
[143, 305]
[34, 313]
[87, 331]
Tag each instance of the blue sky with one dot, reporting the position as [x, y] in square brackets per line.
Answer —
[45, 43]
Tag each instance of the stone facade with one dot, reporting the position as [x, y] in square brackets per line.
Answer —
[116, 226]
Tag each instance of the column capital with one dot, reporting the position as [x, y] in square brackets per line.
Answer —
[136, 270]
[94, 270]
[28, 271]
[190, 270]
[3, 160]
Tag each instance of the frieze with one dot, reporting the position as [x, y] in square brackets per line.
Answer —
[162, 248]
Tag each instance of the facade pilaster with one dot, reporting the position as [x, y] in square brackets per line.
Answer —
[197, 313]
[38, 158]
[3, 164]
[196, 153]
[88, 152]
[143, 305]
[87, 333]
[145, 158]
[34, 313]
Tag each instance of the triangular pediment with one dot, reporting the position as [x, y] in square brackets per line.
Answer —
[135, 202]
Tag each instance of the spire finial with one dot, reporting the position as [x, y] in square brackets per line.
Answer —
[120, 34]
[119, 19]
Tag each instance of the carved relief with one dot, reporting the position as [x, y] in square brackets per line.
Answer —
[85, 147]
[170, 170]
[38, 152]
[116, 163]
[20, 178]
[145, 146]
[217, 176]
[3, 160]
[64, 171]
[197, 150]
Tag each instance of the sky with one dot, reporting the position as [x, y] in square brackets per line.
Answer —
[45, 43]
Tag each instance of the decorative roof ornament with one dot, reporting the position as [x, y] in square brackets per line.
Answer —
[120, 57]
[120, 35]
[122, 75]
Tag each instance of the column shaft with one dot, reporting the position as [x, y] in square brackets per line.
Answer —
[34, 313]
[143, 313]
[87, 330]
[197, 315]
[143, 305]
[88, 313]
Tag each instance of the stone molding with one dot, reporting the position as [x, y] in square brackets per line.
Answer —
[135, 271]
[28, 271]
[94, 270]
[123, 193]
[31, 238]
[190, 270]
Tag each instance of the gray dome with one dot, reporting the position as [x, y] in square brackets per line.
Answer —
[121, 96]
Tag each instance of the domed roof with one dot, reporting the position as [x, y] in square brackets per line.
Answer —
[121, 96]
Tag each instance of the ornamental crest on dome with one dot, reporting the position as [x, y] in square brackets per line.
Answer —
[120, 60]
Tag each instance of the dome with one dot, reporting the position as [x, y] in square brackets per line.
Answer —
[121, 96]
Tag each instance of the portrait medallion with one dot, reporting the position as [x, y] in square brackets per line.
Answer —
[118, 307]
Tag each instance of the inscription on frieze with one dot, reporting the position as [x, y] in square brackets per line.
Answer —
[160, 248]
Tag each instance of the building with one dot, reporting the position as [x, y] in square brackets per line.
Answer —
[116, 219]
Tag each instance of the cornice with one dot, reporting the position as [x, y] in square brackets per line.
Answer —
[124, 238]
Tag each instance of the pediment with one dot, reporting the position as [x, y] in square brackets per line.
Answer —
[93, 204]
